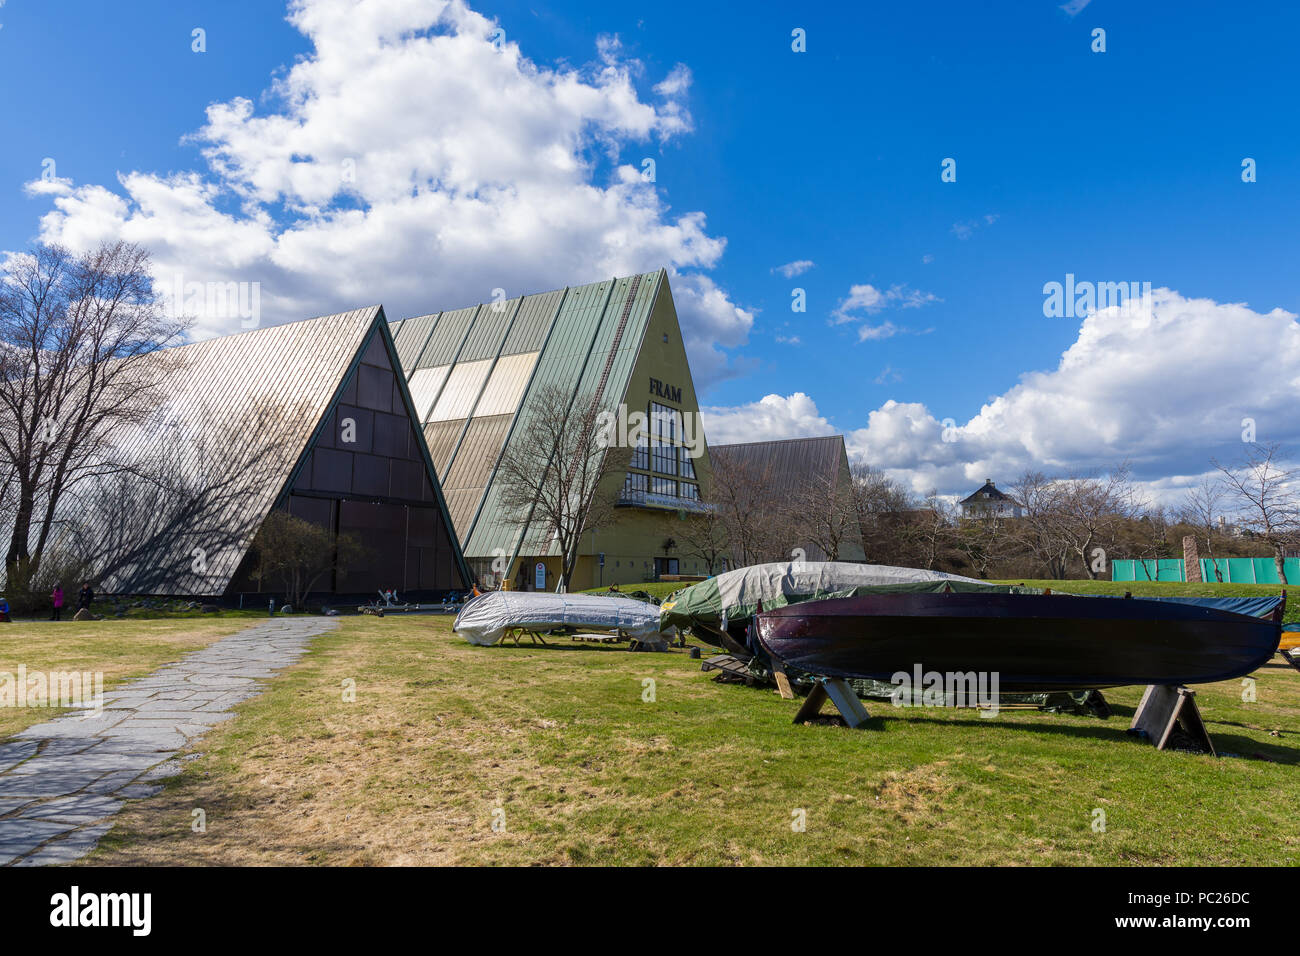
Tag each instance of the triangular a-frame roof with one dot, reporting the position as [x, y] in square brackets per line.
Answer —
[241, 417]
[471, 372]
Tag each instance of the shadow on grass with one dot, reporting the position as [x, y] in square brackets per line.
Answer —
[1115, 732]
[1241, 746]
[561, 644]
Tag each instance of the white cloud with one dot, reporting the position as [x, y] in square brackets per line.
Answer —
[965, 229]
[1165, 392]
[710, 322]
[885, 330]
[408, 160]
[866, 299]
[772, 417]
[796, 268]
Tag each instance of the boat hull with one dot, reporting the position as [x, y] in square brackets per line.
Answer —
[1032, 642]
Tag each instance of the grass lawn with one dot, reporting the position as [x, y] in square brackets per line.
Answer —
[119, 649]
[558, 746]
[657, 589]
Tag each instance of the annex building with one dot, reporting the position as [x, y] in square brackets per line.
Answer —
[310, 417]
[806, 474]
[471, 373]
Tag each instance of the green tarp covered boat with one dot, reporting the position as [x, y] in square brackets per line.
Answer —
[719, 610]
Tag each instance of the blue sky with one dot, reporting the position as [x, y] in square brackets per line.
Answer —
[1115, 166]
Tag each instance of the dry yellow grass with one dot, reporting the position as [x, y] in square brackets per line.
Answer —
[583, 770]
[119, 649]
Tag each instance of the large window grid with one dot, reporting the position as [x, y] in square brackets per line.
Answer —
[665, 422]
[640, 456]
[663, 457]
[663, 486]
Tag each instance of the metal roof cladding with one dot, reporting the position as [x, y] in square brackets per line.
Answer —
[239, 417]
[472, 370]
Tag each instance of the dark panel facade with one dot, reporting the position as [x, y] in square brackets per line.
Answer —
[366, 476]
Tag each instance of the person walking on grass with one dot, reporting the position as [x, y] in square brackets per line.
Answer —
[56, 599]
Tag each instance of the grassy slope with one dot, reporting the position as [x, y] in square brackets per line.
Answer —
[119, 649]
[658, 589]
[442, 733]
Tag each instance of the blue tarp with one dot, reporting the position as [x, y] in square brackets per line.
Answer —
[1250, 606]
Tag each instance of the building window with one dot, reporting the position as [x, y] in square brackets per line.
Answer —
[689, 491]
[664, 459]
[665, 422]
[664, 486]
[687, 463]
[640, 455]
[635, 484]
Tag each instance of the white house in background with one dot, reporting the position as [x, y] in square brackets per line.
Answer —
[989, 501]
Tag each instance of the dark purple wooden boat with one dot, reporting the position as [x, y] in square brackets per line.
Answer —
[1034, 642]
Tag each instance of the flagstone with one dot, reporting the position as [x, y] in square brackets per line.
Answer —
[62, 777]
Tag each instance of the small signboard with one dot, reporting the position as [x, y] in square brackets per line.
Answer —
[539, 577]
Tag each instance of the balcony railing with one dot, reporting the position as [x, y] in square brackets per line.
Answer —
[648, 499]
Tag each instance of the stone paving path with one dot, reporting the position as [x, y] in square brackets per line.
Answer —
[62, 780]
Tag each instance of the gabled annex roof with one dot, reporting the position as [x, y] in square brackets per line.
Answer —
[790, 466]
[241, 417]
[789, 462]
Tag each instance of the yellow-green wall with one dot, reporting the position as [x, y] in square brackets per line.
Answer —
[634, 537]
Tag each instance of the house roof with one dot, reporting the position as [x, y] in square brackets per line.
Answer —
[988, 492]
[791, 460]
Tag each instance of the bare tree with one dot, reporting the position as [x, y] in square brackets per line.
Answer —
[1089, 511]
[300, 554]
[757, 526]
[885, 514]
[704, 535]
[77, 337]
[1153, 540]
[1039, 530]
[985, 540]
[825, 514]
[557, 476]
[934, 527]
[1265, 494]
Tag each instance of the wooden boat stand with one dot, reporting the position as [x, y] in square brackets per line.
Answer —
[1168, 717]
[838, 691]
[518, 632]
